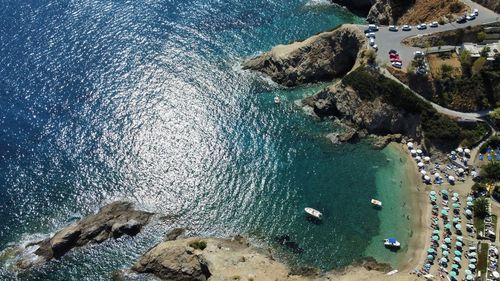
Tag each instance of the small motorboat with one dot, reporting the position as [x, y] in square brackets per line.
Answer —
[277, 100]
[376, 203]
[391, 243]
[314, 213]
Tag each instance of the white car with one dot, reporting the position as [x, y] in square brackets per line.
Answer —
[373, 27]
[434, 24]
[372, 41]
[397, 64]
[470, 17]
[375, 47]
[421, 26]
[418, 54]
[476, 12]
[406, 27]
[393, 28]
[370, 35]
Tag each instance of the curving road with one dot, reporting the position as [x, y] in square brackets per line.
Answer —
[387, 40]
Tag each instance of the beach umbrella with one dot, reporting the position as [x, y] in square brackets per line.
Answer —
[431, 251]
[469, 204]
[467, 150]
[427, 159]
[460, 238]
[435, 232]
[447, 240]
[453, 153]
[451, 178]
[444, 247]
[410, 145]
[430, 257]
[447, 226]
[468, 272]
[456, 205]
[444, 212]
[457, 259]
[444, 191]
[423, 172]
[469, 199]
[469, 277]
[458, 244]
[456, 220]
[457, 253]
[418, 158]
[460, 150]
[427, 178]
[496, 274]
[471, 266]
[455, 199]
[473, 254]
[468, 212]
[433, 193]
[453, 274]
[454, 266]
[445, 253]
[455, 194]
[420, 164]
[472, 260]
[437, 175]
[419, 151]
[435, 238]
[460, 170]
[413, 151]
[458, 226]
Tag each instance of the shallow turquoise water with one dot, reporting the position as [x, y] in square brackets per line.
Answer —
[145, 101]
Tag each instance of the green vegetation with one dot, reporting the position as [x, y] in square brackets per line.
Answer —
[478, 187]
[437, 128]
[371, 56]
[491, 172]
[495, 117]
[481, 36]
[200, 245]
[482, 260]
[493, 143]
[481, 208]
[496, 193]
[478, 66]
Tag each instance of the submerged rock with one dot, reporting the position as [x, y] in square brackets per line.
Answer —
[319, 58]
[112, 221]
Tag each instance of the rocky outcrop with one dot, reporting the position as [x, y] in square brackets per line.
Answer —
[374, 115]
[493, 5]
[387, 12]
[319, 58]
[112, 221]
[357, 6]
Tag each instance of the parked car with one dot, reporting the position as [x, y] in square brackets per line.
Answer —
[417, 54]
[461, 20]
[406, 27]
[370, 35]
[476, 12]
[397, 64]
[375, 47]
[434, 24]
[393, 28]
[372, 41]
[373, 27]
[392, 52]
[421, 26]
[470, 17]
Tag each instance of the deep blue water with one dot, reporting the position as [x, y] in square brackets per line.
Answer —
[145, 101]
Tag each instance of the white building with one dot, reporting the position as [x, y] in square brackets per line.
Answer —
[475, 49]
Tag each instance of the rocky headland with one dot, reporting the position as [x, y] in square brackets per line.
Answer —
[214, 259]
[111, 221]
[322, 57]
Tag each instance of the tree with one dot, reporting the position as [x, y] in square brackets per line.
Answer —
[496, 193]
[495, 116]
[481, 207]
[465, 62]
[481, 36]
[446, 70]
[485, 51]
[478, 65]
[491, 171]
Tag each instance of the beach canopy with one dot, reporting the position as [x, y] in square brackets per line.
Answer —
[460, 238]
[457, 253]
[457, 259]
[496, 274]
[447, 240]
[471, 266]
[431, 251]
[410, 145]
[423, 172]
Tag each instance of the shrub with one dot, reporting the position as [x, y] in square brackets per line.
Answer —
[371, 56]
[446, 70]
[495, 117]
[478, 65]
[496, 193]
[493, 142]
[485, 51]
[200, 245]
[478, 187]
[491, 172]
[481, 207]
[481, 36]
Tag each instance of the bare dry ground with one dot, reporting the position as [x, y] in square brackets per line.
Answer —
[432, 10]
[436, 63]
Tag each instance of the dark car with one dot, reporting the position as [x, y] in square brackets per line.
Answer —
[461, 20]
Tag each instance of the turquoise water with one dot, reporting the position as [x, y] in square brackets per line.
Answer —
[145, 101]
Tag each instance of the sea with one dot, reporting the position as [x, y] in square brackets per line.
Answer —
[146, 101]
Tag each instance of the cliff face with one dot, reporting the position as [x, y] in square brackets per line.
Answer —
[374, 116]
[388, 11]
[362, 6]
[319, 58]
[493, 5]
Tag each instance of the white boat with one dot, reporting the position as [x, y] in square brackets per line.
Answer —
[376, 202]
[392, 242]
[312, 212]
[392, 272]
[277, 100]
